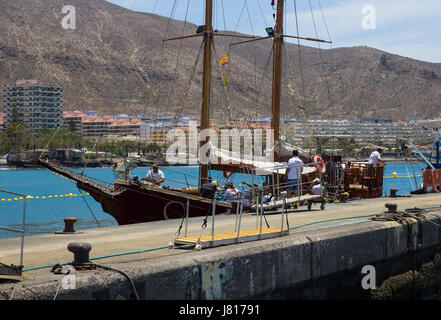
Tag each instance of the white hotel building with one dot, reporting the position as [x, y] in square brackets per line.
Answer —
[364, 132]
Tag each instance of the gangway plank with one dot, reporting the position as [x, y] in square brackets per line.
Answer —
[232, 237]
[279, 203]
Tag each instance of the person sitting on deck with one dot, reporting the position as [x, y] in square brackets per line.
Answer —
[155, 176]
[208, 190]
[293, 174]
[317, 188]
[375, 157]
[230, 192]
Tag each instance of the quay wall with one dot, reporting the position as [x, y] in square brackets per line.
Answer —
[320, 264]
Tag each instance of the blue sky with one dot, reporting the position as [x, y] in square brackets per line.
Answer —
[408, 28]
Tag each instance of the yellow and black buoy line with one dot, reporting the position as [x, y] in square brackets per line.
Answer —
[394, 175]
[50, 197]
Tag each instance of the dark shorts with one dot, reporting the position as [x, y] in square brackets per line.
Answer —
[291, 184]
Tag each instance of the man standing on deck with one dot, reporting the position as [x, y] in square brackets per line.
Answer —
[155, 175]
[375, 157]
[293, 174]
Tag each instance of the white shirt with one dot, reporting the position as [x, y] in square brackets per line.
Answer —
[373, 158]
[295, 165]
[155, 176]
[317, 189]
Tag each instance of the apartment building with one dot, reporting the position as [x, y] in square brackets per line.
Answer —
[94, 126]
[73, 120]
[364, 132]
[125, 127]
[37, 106]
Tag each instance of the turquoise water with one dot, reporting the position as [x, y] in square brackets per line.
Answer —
[46, 215]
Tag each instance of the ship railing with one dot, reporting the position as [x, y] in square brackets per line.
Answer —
[21, 231]
[104, 186]
[276, 186]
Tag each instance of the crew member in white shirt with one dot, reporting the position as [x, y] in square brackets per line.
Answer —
[293, 174]
[317, 188]
[155, 175]
[375, 157]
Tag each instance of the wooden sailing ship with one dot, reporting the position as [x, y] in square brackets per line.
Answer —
[130, 201]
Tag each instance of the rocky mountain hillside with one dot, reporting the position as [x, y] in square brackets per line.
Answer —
[115, 61]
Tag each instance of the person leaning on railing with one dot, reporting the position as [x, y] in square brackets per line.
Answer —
[375, 157]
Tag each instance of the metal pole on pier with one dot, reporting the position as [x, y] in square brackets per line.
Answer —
[187, 213]
[212, 222]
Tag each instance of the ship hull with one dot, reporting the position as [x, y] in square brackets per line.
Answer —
[130, 202]
[137, 203]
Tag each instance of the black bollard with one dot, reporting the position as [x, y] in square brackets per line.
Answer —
[81, 252]
[68, 226]
[393, 192]
[391, 207]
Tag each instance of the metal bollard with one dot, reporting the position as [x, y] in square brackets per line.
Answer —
[81, 252]
[393, 192]
[391, 207]
[68, 226]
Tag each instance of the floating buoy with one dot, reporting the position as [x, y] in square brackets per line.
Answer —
[28, 197]
[87, 194]
[9, 200]
[3, 200]
[55, 196]
[15, 199]
[394, 174]
[43, 197]
[61, 196]
[20, 198]
[37, 198]
[50, 197]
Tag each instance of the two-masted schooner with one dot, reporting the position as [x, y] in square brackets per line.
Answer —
[131, 201]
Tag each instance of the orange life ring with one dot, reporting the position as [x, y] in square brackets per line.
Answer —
[322, 164]
[227, 175]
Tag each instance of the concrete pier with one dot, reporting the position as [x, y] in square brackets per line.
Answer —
[317, 260]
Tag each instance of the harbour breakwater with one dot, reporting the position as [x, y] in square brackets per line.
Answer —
[316, 264]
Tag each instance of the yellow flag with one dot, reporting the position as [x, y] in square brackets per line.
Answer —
[226, 81]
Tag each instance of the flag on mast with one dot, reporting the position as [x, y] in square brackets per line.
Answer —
[223, 61]
[226, 81]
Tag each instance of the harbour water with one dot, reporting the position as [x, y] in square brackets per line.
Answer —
[45, 215]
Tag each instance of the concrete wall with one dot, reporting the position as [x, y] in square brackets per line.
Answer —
[321, 264]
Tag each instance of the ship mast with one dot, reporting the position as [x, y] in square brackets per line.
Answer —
[277, 77]
[206, 82]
